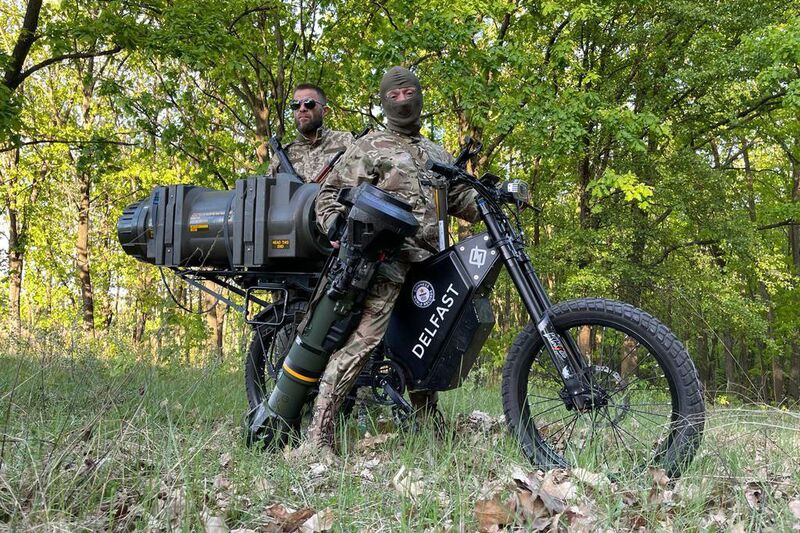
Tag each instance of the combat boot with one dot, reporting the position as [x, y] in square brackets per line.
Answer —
[321, 431]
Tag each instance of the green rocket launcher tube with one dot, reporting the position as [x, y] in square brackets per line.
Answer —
[307, 358]
[377, 224]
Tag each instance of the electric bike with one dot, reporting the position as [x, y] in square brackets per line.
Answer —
[590, 382]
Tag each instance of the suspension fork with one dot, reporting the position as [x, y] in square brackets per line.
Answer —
[563, 350]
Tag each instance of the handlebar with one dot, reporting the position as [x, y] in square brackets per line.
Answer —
[485, 186]
[443, 169]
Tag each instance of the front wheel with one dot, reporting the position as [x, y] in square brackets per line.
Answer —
[646, 406]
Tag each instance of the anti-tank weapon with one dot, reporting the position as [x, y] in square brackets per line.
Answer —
[376, 224]
[259, 237]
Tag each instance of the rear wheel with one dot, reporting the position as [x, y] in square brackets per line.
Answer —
[266, 353]
[646, 405]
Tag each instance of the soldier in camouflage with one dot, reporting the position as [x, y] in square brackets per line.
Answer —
[315, 144]
[393, 160]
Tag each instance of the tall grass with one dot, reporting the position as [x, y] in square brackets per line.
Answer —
[96, 443]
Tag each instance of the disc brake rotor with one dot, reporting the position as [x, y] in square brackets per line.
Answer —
[612, 386]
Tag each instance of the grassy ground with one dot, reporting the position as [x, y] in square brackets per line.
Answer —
[98, 444]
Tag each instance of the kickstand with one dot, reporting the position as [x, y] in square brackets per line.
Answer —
[402, 409]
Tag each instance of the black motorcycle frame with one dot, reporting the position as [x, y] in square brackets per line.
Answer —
[508, 242]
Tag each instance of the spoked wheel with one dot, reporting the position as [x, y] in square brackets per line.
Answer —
[645, 407]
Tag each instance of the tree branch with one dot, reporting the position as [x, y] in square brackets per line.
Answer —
[675, 247]
[65, 141]
[64, 57]
[787, 222]
[27, 35]
[763, 102]
[248, 12]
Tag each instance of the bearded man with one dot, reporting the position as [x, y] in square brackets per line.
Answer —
[315, 144]
[393, 160]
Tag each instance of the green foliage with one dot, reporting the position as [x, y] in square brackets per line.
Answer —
[661, 141]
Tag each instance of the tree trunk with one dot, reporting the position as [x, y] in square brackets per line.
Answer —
[12, 77]
[15, 266]
[138, 330]
[215, 319]
[84, 274]
[778, 385]
[585, 177]
[794, 247]
[84, 201]
[794, 373]
[730, 363]
[630, 358]
[702, 356]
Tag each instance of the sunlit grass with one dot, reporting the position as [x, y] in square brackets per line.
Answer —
[102, 444]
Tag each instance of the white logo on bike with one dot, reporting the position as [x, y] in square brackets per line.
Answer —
[422, 294]
[477, 257]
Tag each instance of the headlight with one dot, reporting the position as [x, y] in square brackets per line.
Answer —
[515, 189]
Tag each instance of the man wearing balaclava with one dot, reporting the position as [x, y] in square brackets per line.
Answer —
[393, 160]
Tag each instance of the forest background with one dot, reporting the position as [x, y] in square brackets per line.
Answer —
[661, 141]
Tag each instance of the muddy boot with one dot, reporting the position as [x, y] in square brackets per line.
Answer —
[320, 434]
[426, 411]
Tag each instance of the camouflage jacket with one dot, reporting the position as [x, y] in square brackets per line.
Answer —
[307, 158]
[396, 163]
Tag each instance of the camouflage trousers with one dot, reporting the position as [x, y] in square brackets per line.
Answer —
[346, 363]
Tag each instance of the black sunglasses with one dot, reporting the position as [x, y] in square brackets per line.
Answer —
[310, 103]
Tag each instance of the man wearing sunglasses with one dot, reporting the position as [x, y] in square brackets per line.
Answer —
[315, 144]
[393, 160]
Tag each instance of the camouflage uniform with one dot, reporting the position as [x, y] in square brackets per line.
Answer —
[308, 158]
[396, 163]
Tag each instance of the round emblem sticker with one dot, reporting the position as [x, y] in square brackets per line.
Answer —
[422, 294]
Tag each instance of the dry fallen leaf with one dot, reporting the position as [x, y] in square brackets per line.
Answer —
[287, 518]
[492, 515]
[318, 469]
[490, 488]
[563, 490]
[221, 482]
[530, 506]
[321, 521]
[754, 494]
[263, 485]
[215, 524]
[225, 460]
[794, 507]
[660, 477]
[528, 481]
[660, 497]
[484, 422]
[406, 485]
[628, 498]
[590, 478]
[370, 442]
[638, 522]
[717, 518]
[580, 519]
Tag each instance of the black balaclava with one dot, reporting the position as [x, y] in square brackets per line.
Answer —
[402, 117]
